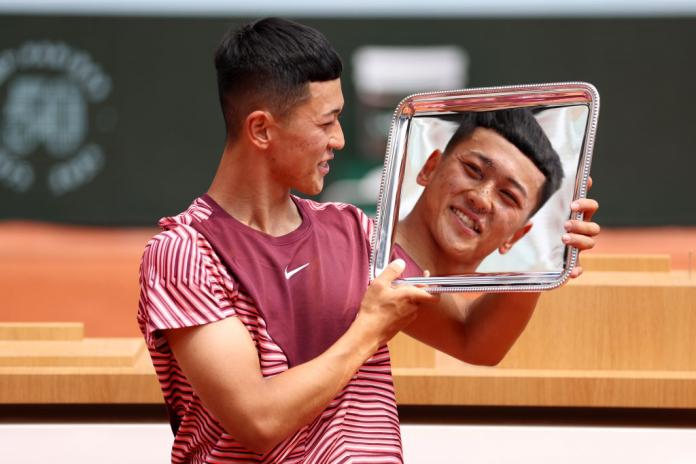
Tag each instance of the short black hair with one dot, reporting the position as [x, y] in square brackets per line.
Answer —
[269, 63]
[519, 127]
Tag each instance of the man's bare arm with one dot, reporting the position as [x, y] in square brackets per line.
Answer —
[222, 365]
[479, 331]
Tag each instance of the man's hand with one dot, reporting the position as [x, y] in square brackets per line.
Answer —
[580, 233]
[386, 309]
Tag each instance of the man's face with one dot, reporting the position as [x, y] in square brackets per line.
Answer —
[478, 197]
[305, 138]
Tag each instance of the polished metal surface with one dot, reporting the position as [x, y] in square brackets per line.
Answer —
[537, 97]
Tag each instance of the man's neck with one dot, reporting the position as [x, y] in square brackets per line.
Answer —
[244, 187]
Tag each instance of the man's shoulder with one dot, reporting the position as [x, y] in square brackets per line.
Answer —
[328, 206]
[328, 212]
[177, 233]
[334, 208]
[198, 210]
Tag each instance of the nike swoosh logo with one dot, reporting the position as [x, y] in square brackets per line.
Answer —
[294, 271]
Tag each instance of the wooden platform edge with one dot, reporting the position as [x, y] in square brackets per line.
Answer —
[54, 331]
[578, 390]
[413, 387]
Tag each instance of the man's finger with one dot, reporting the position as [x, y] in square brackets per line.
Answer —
[432, 298]
[581, 242]
[418, 295]
[582, 227]
[392, 272]
[587, 206]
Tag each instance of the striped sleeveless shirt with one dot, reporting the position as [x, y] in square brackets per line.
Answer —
[296, 295]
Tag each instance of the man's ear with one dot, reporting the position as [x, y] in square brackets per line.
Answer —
[426, 172]
[256, 127]
[519, 233]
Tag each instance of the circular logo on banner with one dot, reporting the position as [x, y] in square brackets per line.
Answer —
[49, 89]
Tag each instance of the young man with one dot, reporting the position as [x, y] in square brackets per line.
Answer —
[266, 335]
[496, 171]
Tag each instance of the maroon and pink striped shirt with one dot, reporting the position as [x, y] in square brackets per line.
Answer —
[296, 295]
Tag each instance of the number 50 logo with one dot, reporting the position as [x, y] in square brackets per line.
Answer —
[49, 88]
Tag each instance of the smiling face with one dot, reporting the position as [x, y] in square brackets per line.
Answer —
[304, 140]
[477, 199]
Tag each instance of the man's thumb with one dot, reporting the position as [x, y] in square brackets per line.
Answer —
[393, 271]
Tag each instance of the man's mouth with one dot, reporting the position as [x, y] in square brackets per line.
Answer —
[324, 166]
[466, 220]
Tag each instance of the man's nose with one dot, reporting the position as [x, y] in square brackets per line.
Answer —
[480, 199]
[336, 140]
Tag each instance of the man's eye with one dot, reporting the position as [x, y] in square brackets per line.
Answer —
[473, 170]
[510, 197]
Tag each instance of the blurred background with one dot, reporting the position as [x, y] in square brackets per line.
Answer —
[109, 112]
[109, 120]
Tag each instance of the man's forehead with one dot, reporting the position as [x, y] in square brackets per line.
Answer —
[482, 136]
[495, 151]
[498, 154]
[318, 102]
[326, 96]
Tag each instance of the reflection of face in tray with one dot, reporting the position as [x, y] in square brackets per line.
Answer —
[477, 198]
